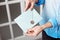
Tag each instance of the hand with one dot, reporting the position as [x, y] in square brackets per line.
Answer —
[37, 29]
[34, 31]
[30, 4]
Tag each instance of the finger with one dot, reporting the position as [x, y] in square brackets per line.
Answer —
[30, 31]
[27, 34]
[27, 4]
[32, 5]
[30, 34]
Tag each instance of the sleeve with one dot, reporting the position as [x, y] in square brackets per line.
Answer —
[54, 22]
[40, 2]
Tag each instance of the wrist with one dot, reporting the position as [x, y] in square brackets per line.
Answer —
[42, 27]
[47, 25]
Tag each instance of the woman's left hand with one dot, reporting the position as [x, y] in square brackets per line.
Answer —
[34, 31]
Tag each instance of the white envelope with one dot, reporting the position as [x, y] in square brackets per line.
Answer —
[24, 20]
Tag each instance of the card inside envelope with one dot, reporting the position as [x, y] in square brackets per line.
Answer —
[24, 20]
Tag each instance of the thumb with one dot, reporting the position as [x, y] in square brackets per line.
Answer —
[32, 5]
[27, 4]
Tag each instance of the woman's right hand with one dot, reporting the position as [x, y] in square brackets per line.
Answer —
[30, 4]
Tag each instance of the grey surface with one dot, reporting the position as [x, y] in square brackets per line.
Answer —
[3, 14]
[0, 36]
[2, 0]
[17, 30]
[14, 10]
[5, 33]
[10, 0]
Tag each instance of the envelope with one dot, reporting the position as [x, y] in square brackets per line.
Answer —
[24, 20]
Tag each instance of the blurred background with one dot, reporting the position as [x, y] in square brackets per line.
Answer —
[9, 30]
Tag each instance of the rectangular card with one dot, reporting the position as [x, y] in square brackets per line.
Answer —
[24, 20]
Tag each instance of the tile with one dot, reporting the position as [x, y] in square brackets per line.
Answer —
[17, 30]
[15, 10]
[5, 33]
[2, 0]
[3, 14]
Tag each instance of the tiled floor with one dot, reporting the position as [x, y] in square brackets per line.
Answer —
[14, 10]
